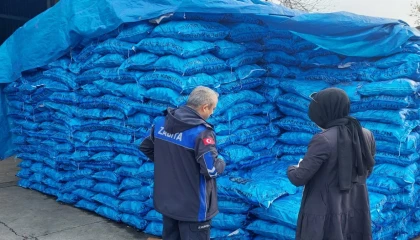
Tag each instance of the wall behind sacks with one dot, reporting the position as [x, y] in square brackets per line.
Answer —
[82, 109]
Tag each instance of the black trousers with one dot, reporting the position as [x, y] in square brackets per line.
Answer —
[179, 230]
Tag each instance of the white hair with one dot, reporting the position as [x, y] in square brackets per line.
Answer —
[200, 96]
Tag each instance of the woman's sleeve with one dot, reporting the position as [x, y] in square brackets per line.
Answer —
[319, 151]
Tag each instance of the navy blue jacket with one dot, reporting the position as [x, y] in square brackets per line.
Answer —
[183, 147]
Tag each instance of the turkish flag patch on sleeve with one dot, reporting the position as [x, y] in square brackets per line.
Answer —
[208, 141]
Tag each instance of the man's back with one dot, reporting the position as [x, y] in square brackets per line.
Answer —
[184, 155]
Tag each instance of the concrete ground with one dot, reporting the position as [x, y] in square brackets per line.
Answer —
[27, 214]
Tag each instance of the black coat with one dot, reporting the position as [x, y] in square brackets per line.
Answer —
[326, 212]
[183, 147]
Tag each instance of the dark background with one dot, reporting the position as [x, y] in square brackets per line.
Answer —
[15, 13]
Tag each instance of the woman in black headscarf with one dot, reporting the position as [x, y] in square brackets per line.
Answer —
[335, 202]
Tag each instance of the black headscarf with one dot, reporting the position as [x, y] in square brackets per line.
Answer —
[330, 108]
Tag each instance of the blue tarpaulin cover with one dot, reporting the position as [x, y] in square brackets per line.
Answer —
[53, 33]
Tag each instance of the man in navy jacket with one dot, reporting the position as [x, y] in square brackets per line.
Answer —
[183, 147]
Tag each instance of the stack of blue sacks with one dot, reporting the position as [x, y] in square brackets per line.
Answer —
[79, 120]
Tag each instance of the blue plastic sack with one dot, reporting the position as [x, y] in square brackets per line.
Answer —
[396, 60]
[67, 198]
[88, 64]
[110, 136]
[118, 75]
[109, 61]
[289, 149]
[283, 211]
[154, 216]
[271, 94]
[281, 58]
[238, 234]
[241, 123]
[295, 138]
[246, 58]
[112, 125]
[236, 153]
[246, 136]
[133, 221]
[229, 221]
[135, 32]
[128, 171]
[401, 160]
[225, 49]
[124, 105]
[146, 170]
[154, 228]
[88, 205]
[382, 102]
[52, 85]
[107, 200]
[383, 185]
[162, 79]
[261, 144]
[292, 123]
[114, 46]
[397, 87]
[401, 175]
[140, 61]
[409, 147]
[351, 88]
[278, 70]
[246, 32]
[108, 213]
[191, 30]
[389, 132]
[83, 173]
[330, 76]
[240, 85]
[25, 164]
[24, 183]
[330, 61]
[103, 156]
[407, 70]
[134, 208]
[107, 188]
[206, 63]
[52, 191]
[62, 76]
[55, 175]
[235, 207]
[236, 112]
[128, 161]
[36, 178]
[85, 183]
[62, 63]
[271, 230]
[279, 44]
[41, 188]
[88, 76]
[293, 101]
[130, 183]
[292, 112]
[163, 95]
[261, 157]
[106, 176]
[303, 88]
[137, 194]
[129, 90]
[167, 46]
[225, 77]
[84, 193]
[228, 101]
[52, 183]
[258, 192]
